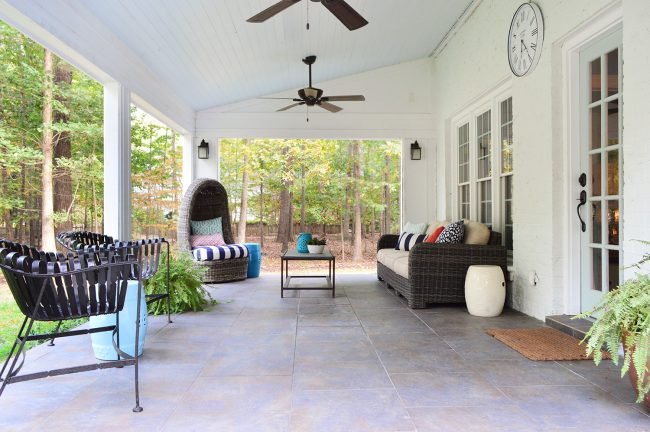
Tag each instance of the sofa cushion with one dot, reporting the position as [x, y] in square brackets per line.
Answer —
[388, 256]
[207, 240]
[407, 241]
[217, 253]
[435, 225]
[431, 238]
[415, 228]
[476, 233]
[453, 233]
[206, 227]
[401, 267]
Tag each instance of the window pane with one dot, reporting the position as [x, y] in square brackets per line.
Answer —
[597, 270]
[506, 136]
[612, 73]
[595, 174]
[484, 144]
[595, 80]
[614, 269]
[596, 222]
[613, 222]
[594, 130]
[612, 172]
[612, 123]
[485, 202]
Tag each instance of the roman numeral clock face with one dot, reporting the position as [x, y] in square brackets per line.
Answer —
[525, 39]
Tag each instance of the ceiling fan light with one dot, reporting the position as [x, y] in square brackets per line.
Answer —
[311, 92]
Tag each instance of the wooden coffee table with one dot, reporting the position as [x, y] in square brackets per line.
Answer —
[293, 255]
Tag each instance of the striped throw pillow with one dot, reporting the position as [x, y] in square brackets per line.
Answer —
[407, 240]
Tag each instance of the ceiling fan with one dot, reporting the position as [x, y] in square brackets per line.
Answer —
[312, 96]
[341, 10]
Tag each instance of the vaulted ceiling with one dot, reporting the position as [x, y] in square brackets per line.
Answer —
[209, 55]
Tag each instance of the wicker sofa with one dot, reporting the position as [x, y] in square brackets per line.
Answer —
[434, 272]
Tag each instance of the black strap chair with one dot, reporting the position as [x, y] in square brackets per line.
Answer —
[58, 287]
[149, 250]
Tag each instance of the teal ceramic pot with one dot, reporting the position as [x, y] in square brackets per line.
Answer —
[301, 243]
[254, 260]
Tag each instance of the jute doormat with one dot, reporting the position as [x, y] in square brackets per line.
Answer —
[542, 343]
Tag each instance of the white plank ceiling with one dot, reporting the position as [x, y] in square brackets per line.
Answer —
[210, 56]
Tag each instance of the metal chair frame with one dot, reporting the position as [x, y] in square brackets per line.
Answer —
[58, 287]
[75, 241]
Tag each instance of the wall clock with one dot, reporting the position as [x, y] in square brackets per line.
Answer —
[525, 39]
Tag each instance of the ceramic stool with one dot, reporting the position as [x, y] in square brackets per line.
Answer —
[485, 290]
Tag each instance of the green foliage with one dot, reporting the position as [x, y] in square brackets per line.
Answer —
[185, 285]
[322, 167]
[11, 319]
[623, 315]
[315, 241]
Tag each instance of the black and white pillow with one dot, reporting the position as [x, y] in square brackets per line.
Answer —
[407, 240]
[453, 233]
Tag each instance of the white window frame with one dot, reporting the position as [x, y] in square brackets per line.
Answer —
[490, 101]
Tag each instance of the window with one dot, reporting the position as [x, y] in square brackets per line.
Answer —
[506, 171]
[484, 165]
[484, 141]
[463, 171]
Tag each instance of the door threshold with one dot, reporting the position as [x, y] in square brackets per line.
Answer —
[576, 328]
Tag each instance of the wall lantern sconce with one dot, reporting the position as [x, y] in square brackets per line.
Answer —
[204, 150]
[416, 151]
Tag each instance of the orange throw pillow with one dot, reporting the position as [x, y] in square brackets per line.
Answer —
[434, 235]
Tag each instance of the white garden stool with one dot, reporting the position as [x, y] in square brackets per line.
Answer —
[485, 290]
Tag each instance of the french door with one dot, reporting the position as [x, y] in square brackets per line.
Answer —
[601, 199]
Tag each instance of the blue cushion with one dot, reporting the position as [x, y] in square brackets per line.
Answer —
[207, 227]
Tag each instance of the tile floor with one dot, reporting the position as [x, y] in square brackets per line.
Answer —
[359, 362]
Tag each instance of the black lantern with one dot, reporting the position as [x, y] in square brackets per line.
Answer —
[204, 150]
[416, 151]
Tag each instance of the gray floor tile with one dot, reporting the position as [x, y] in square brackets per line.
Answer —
[340, 375]
[327, 316]
[329, 352]
[349, 410]
[525, 372]
[571, 406]
[446, 389]
[504, 418]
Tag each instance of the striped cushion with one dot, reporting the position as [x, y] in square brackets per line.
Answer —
[214, 253]
[408, 240]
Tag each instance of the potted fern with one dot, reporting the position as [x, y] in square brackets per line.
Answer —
[623, 316]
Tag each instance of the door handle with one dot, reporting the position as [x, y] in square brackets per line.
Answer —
[582, 201]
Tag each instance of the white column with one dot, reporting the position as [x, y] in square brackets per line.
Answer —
[189, 157]
[117, 161]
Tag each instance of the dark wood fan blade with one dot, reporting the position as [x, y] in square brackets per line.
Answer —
[290, 106]
[345, 13]
[351, 98]
[272, 98]
[330, 107]
[272, 11]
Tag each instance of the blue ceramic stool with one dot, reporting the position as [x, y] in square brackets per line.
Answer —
[103, 341]
[254, 260]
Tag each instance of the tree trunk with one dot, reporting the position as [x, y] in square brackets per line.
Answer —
[47, 199]
[387, 219]
[243, 213]
[302, 201]
[346, 206]
[284, 220]
[261, 215]
[62, 149]
[357, 254]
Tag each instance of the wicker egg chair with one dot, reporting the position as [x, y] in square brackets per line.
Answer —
[207, 199]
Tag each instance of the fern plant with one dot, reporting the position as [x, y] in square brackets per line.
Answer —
[623, 316]
[185, 285]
